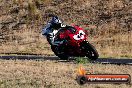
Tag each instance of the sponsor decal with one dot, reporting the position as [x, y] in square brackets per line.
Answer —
[83, 78]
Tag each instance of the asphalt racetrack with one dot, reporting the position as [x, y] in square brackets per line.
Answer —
[99, 60]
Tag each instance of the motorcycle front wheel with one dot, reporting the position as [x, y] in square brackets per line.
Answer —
[90, 51]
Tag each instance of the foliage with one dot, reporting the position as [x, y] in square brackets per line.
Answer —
[82, 60]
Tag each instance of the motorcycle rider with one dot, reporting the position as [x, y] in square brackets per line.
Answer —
[51, 29]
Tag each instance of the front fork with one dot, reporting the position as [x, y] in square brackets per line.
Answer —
[83, 43]
[82, 46]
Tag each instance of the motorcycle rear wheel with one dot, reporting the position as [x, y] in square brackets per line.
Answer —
[62, 55]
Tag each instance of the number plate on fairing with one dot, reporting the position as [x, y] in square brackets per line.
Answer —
[79, 36]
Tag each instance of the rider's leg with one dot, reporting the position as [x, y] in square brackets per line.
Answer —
[51, 39]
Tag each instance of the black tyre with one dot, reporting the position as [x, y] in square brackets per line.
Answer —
[91, 52]
[61, 55]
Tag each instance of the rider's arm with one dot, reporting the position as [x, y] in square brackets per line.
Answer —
[46, 29]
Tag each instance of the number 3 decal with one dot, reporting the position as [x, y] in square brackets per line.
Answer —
[79, 36]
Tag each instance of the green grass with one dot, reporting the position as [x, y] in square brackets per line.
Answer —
[82, 60]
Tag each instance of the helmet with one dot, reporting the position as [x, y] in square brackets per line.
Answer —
[56, 22]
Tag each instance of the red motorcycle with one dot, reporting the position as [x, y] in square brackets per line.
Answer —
[74, 41]
[75, 44]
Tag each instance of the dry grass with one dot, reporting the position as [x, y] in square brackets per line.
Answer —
[118, 46]
[27, 41]
[53, 74]
[111, 39]
[111, 36]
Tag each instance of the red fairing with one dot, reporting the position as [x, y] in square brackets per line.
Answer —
[79, 36]
[74, 38]
[62, 35]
